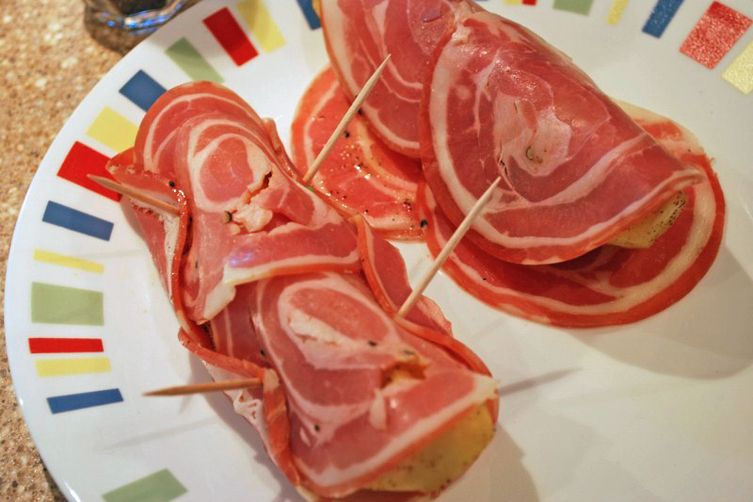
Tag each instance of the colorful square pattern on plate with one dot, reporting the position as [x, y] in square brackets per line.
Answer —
[715, 34]
[246, 30]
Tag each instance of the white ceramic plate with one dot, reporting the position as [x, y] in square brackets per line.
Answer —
[660, 409]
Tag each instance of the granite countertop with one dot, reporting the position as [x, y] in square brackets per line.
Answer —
[48, 63]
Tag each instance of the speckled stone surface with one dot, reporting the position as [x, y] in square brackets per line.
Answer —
[48, 63]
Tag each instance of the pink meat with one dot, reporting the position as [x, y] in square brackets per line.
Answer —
[385, 272]
[360, 33]
[322, 351]
[246, 209]
[155, 140]
[360, 175]
[609, 285]
[334, 350]
[576, 170]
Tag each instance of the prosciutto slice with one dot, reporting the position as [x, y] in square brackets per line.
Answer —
[609, 285]
[362, 392]
[249, 213]
[343, 391]
[360, 33]
[230, 348]
[159, 228]
[385, 272]
[155, 141]
[576, 170]
[360, 175]
[249, 218]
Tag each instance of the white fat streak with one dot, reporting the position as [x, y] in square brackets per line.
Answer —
[255, 156]
[379, 13]
[484, 389]
[171, 226]
[308, 146]
[327, 417]
[223, 318]
[244, 404]
[217, 299]
[172, 229]
[336, 23]
[306, 329]
[627, 298]
[252, 217]
[443, 81]
[303, 328]
[480, 80]
[378, 411]
[303, 434]
[151, 161]
[241, 275]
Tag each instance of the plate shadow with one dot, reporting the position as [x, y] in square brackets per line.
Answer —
[708, 334]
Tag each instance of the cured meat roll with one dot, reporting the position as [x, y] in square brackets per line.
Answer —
[576, 169]
[360, 175]
[610, 285]
[270, 283]
[583, 184]
[360, 34]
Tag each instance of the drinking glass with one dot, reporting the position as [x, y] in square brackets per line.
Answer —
[121, 24]
[138, 17]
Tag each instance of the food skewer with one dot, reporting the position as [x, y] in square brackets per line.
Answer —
[360, 98]
[347, 117]
[135, 194]
[465, 225]
[196, 388]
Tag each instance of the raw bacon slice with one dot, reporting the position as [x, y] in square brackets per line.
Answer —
[609, 285]
[576, 170]
[250, 220]
[157, 227]
[359, 34]
[155, 140]
[232, 351]
[384, 269]
[164, 233]
[263, 406]
[360, 174]
[362, 393]
[334, 370]
[219, 163]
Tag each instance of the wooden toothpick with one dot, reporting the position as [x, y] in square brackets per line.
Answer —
[197, 388]
[362, 95]
[134, 194]
[465, 225]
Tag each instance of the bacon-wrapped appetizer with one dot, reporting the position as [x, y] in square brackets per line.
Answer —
[575, 233]
[271, 283]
